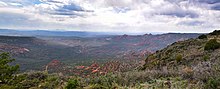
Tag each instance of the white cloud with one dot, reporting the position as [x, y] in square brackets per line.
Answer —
[3, 4]
[112, 15]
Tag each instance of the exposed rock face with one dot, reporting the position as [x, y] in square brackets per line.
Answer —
[56, 66]
[13, 49]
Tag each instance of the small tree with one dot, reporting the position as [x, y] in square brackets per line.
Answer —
[6, 70]
[72, 84]
[212, 45]
[213, 83]
[179, 58]
[202, 36]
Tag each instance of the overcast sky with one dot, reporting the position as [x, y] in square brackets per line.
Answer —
[111, 15]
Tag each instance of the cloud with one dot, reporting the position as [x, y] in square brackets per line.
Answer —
[3, 4]
[215, 7]
[112, 15]
[51, 1]
[175, 10]
[192, 23]
[121, 9]
[209, 1]
[71, 7]
[22, 2]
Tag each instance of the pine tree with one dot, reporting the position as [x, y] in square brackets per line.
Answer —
[7, 71]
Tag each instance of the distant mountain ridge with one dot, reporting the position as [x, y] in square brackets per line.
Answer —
[17, 32]
[9, 32]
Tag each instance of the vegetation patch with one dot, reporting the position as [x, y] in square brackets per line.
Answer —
[216, 32]
[213, 83]
[212, 45]
[179, 58]
[72, 84]
[206, 58]
[7, 72]
[203, 36]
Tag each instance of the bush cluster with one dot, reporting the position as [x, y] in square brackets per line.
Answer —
[72, 84]
[213, 83]
[179, 58]
[212, 45]
[7, 72]
[203, 36]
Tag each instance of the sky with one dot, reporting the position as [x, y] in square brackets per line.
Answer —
[133, 16]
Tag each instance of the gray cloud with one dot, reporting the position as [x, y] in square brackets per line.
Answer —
[215, 7]
[176, 8]
[180, 13]
[113, 15]
[12, 18]
[23, 2]
[17, 20]
[121, 9]
[71, 7]
[191, 23]
[50, 1]
[69, 10]
[58, 8]
[209, 1]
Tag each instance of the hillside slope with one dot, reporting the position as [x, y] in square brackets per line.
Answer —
[189, 64]
[33, 53]
[196, 60]
[189, 53]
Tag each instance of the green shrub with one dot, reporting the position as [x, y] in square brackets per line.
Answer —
[7, 87]
[17, 81]
[72, 84]
[37, 75]
[30, 83]
[52, 82]
[96, 86]
[213, 83]
[212, 45]
[179, 58]
[202, 36]
[206, 58]
[105, 80]
[7, 72]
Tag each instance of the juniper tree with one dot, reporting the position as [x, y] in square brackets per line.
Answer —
[7, 71]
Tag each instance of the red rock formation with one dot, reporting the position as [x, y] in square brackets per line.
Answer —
[80, 67]
[54, 63]
[56, 66]
[13, 49]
